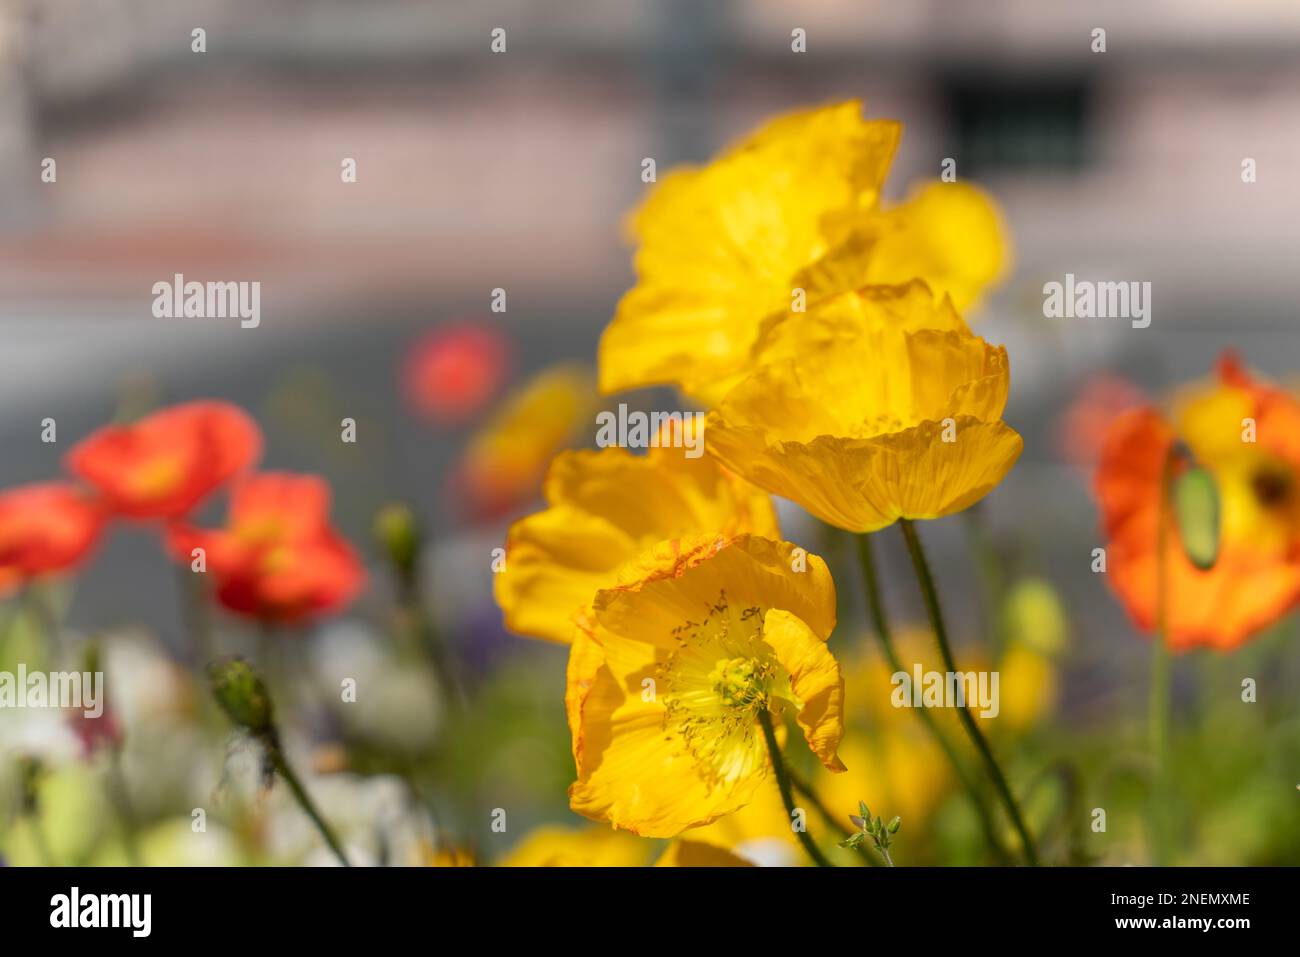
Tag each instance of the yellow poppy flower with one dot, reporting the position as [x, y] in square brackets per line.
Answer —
[555, 846]
[864, 422]
[792, 212]
[666, 686]
[605, 508]
[503, 464]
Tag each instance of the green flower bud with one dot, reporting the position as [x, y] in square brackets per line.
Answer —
[241, 694]
[1196, 511]
[398, 533]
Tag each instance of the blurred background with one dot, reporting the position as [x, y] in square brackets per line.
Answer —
[479, 171]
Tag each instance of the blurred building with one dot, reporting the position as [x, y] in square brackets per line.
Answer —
[479, 170]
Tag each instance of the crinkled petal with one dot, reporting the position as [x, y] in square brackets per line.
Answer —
[816, 682]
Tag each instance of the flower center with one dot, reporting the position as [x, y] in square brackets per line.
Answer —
[1272, 487]
[157, 477]
[713, 686]
[739, 682]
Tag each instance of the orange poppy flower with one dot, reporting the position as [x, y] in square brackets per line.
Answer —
[1246, 435]
[44, 529]
[1083, 426]
[163, 465]
[454, 370]
[278, 559]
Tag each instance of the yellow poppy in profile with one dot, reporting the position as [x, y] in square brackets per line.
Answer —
[784, 218]
[877, 405]
[604, 509]
[666, 686]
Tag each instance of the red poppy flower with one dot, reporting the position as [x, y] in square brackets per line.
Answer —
[44, 528]
[1246, 436]
[453, 371]
[163, 465]
[278, 559]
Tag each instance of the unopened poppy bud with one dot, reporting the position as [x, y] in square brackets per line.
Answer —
[1196, 510]
[398, 533]
[242, 695]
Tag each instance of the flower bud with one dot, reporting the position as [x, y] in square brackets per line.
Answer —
[398, 533]
[241, 694]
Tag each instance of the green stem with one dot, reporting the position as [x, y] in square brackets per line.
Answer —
[783, 782]
[36, 601]
[304, 800]
[989, 567]
[14, 610]
[414, 613]
[876, 605]
[1158, 700]
[931, 597]
[196, 616]
[888, 860]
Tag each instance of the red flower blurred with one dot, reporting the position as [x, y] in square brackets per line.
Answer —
[44, 528]
[165, 464]
[278, 559]
[454, 370]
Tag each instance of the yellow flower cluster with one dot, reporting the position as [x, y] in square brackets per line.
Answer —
[821, 327]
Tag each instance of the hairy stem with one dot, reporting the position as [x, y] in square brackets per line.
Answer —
[880, 621]
[931, 597]
[304, 800]
[787, 794]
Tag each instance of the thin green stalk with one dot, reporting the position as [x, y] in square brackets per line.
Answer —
[931, 597]
[13, 613]
[281, 765]
[36, 601]
[783, 782]
[889, 861]
[413, 612]
[992, 577]
[196, 617]
[1158, 699]
[876, 606]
